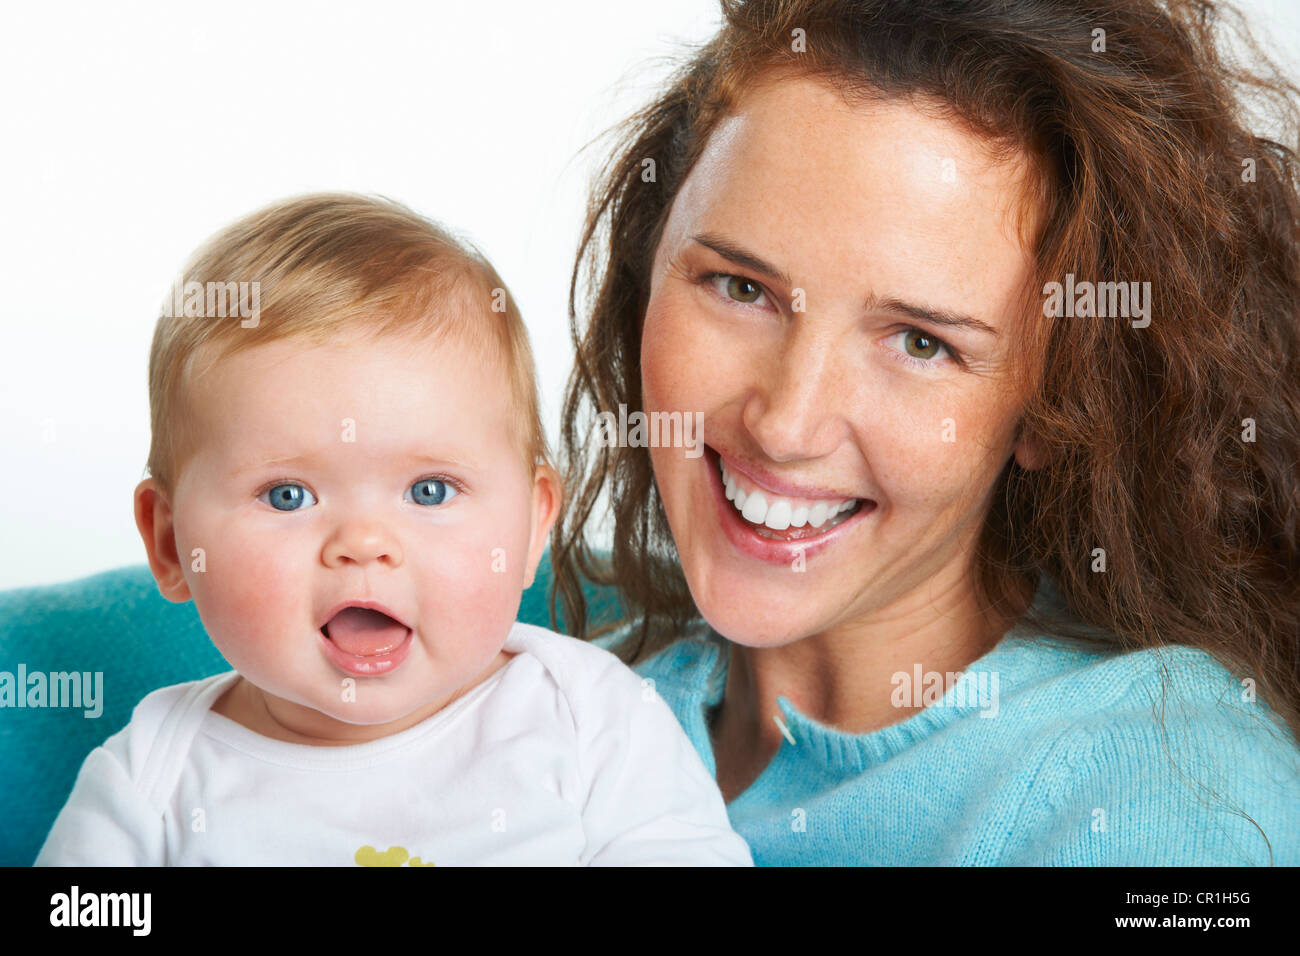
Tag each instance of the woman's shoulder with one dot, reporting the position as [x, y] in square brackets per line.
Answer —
[1101, 682]
[1158, 754]
[1102, 685]
[1119, 706]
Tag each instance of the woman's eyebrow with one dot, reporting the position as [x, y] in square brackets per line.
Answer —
[741, 256]
[944, 317]
[947, 318]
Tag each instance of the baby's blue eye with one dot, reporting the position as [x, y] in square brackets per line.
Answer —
[289, 497]
[432, 491]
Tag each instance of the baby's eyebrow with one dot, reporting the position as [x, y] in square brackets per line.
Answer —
[269, 462]
[414, 458]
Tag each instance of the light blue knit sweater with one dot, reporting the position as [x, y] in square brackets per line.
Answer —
[1069, 767]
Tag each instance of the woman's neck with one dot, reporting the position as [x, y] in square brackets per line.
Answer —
[845, 677]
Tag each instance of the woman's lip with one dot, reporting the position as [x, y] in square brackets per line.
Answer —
[367, 665]
[739, 533]
[771, 483]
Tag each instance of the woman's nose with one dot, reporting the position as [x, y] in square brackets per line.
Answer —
[362, 542]
[797, 408]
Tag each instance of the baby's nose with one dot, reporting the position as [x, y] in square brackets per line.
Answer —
[362, 542]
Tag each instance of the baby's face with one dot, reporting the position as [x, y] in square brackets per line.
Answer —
[363, 471]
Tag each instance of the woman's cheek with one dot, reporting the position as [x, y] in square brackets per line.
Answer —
[672, 355]
[656, 356]
[938, 462]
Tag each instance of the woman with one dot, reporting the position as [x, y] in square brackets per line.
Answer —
[993, 552]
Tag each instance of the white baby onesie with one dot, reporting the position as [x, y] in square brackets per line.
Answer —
[560, 757]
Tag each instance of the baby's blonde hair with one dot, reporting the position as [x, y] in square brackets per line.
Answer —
[323, 262]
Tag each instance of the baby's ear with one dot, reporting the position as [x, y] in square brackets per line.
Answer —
[153, 519]
[548, 498]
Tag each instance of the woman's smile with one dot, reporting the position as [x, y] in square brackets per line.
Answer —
[771, 524]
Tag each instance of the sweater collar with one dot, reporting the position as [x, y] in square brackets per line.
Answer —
[977, 692]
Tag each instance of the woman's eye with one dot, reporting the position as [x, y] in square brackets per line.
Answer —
[737, 288]
[432, 491]
[288, 497]
[921, 347]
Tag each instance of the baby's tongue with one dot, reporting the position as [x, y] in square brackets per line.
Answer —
[363, 632]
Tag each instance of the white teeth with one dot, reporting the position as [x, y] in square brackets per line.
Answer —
[779, 513]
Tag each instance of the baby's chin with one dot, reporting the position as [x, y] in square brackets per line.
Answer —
[319, 704]
[348, 715]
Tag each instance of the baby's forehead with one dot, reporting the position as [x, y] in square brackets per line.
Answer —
[362, 368]
[360, 346]
[391, 385]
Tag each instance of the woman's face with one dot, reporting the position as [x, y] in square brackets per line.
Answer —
[833, 291]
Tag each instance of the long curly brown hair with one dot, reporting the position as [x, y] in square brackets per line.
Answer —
[1173, 447]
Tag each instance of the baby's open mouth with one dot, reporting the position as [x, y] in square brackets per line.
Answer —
[363, 632]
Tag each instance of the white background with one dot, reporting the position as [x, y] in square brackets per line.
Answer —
[132, 132]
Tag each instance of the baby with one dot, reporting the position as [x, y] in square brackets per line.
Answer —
[351, 482]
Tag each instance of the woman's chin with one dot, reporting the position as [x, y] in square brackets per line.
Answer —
[760, 605]
[757, 620]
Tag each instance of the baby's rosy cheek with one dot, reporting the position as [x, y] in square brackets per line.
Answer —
[479, 592]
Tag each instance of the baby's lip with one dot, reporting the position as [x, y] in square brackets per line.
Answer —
[368, 605]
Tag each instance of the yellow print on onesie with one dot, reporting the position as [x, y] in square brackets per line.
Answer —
[393, 856]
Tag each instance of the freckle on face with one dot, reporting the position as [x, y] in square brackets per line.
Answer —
[875, 202]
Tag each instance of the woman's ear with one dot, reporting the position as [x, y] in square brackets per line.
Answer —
[1029, 450]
